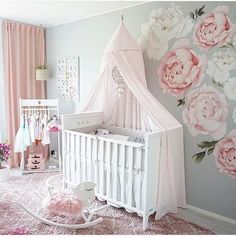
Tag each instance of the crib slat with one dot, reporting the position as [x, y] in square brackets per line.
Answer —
[64, 143]
[122, 161]
[108, 163]
[130, 178]
[139, 174]
[95, 163]
[68, 156]
[83, 158]
[115, 168]
[101, 168]
[63, 151]
[89, 159]
[72, 163]
[78, 159]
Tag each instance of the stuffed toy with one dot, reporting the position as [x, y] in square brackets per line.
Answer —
[54, 125]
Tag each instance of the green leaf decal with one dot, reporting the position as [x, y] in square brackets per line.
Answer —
[200, 9]
[228, 45]
[191, 15]
[198, 12]
[210, 151]
[207, 144]
[221, 85]
[197, 158]
[208, 147]
[181, 102]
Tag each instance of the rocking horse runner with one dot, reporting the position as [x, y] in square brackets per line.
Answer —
[72, 204]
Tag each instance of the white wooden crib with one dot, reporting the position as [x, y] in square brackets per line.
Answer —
[125, 172]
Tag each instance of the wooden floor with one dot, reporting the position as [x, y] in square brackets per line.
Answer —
[214, 224]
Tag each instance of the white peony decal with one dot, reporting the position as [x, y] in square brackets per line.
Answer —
[220, 65]
[230, 89]
[164, 25]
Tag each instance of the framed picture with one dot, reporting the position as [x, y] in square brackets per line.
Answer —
[68, 78]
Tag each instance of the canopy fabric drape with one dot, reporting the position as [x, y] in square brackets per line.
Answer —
[137, 108]
[24, 51]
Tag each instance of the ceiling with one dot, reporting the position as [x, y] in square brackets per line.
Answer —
[52, 13]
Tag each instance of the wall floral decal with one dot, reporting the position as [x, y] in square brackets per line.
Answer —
[214, 30]
[164, 25]
[204, 88]
[225, 154]
[205, 112]
[230, 89]
[181, 68]
[220, 65]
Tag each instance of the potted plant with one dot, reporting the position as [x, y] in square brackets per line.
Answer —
[5, 150]
[42, 73]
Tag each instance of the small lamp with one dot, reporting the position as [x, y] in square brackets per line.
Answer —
[42, 73]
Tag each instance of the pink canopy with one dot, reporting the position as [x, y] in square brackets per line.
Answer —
[135, 107]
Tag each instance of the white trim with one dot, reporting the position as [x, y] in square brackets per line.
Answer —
[211, 214]
[97, 14]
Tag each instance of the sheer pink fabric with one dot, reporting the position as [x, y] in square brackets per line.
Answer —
[139, 109]
[24, 51]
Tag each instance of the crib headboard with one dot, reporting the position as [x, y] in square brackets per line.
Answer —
[76, 121]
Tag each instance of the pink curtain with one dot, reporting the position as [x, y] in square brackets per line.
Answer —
[24, 51]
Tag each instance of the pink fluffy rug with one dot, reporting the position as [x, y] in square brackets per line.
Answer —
[15, 221]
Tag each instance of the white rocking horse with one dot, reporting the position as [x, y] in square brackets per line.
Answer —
[75, 203]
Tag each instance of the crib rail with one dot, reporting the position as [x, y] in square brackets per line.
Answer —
[117, 167]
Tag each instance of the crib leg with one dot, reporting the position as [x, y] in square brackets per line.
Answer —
[145, 222]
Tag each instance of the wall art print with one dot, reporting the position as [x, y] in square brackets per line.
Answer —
[68, 78]
[203, 86]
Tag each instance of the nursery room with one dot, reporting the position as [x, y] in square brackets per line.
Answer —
[117, 117]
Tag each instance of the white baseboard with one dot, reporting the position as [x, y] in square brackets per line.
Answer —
[211, 214]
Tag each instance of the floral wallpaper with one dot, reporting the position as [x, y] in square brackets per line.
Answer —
[203, 86]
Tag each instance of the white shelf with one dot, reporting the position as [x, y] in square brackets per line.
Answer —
[40, 171]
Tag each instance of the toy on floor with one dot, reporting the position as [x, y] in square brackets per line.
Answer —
[74, 201]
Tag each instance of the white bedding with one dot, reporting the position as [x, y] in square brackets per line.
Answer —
[105, 133]
[116, 136]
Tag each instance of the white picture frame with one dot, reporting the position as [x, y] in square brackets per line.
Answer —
[68, 78]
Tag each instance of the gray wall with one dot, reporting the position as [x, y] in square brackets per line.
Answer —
[206, 187]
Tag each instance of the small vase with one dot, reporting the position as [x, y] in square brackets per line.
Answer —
[4, 173]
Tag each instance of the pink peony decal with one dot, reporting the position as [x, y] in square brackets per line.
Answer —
[225, 154]
[214, 30]
[181, 69]
[205, 112]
